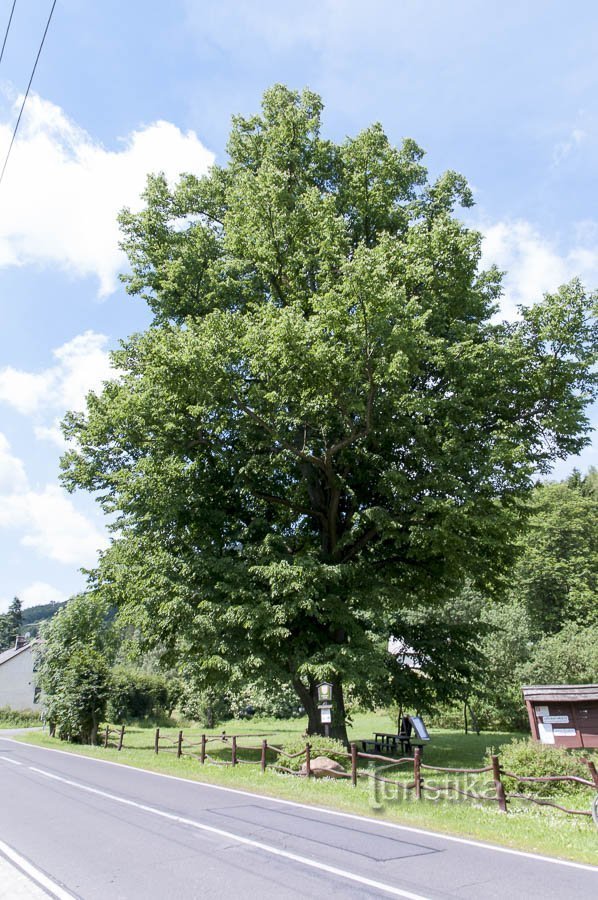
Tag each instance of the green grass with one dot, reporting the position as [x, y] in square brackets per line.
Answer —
[526, 827]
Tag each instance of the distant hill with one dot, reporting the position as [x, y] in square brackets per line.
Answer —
[33, 616]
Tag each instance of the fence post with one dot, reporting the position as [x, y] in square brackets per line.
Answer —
[121, 737]
[202, 753]
[234, 749]
[593, 772]
[500, 790]
[308, 760]
[106, 736]
[157, 740]
[263, 760]
[417, 772]
[353, 764]
[179, 746]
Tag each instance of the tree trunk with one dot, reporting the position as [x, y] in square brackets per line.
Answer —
[338, 729]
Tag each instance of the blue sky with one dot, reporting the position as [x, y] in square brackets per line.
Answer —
[504, 92]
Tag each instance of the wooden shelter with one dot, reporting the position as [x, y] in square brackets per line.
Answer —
[565, 715]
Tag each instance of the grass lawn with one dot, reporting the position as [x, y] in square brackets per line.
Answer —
[526, 827]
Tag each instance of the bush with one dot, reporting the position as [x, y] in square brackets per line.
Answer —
[533, 759]
[207, 706]
[19, 718]
[139, 695]
[320, 746]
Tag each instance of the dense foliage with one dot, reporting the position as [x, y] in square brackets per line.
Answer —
[325, 434]
[135, 695]
[73, 667]
[532, 759]
[544, 631]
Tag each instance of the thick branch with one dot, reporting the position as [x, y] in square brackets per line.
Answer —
[295, 507]
[360, 543]
[300, 454]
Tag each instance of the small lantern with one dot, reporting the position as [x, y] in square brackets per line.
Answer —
[324, 692]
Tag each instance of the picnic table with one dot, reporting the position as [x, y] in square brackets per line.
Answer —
[387, 744]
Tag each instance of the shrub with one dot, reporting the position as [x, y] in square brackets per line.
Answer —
[19, 718]
[533, 759]
[140, 695]
[320, 746]
[207, 706]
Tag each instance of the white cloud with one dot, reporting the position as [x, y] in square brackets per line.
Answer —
[34, 594]
[63, 190]
[51, 433]
[47, 519]
[40, 592]
[82, 364]
[534, 264]
[564, 148]
[12, 471]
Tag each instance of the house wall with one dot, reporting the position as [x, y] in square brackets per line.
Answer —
[17, 684]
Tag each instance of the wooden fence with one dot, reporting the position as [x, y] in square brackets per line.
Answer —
[419, 785]
[113, 737]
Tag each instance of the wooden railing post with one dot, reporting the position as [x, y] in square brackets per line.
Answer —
[157, 741]
[106, 736]
[593, 772]
[179, 746]
[417, 772]
[308, 760]
[202, 753]
[263, 759]
[121, 737]
[500, 789]
[234, 750]
[354, 764]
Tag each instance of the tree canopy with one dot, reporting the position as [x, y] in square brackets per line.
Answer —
[10, 624]
[73, 659]
[325, 428]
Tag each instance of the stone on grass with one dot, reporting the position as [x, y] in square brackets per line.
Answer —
[322, 766]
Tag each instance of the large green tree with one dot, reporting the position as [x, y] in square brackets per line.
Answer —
[11, 624]
[324, 427]
[556, 576]
[78, 644]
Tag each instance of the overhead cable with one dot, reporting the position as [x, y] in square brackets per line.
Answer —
[7, 29]
[16, 128]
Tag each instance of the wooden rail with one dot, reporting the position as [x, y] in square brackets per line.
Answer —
[198, 750]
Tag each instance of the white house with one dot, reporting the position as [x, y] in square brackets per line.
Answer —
[17, 681]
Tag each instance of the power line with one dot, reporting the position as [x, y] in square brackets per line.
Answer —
[7, 29]
[16, 128]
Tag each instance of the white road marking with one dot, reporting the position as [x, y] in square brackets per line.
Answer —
[13, 761]
[231, 836]
[35, 874]
[381, 823]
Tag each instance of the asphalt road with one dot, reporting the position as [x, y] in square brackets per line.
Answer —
[109, 831]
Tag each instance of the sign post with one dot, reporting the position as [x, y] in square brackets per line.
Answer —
[325, 705]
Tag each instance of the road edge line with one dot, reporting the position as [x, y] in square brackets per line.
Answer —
[34, 874]
[239, 838]
[331, 812]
